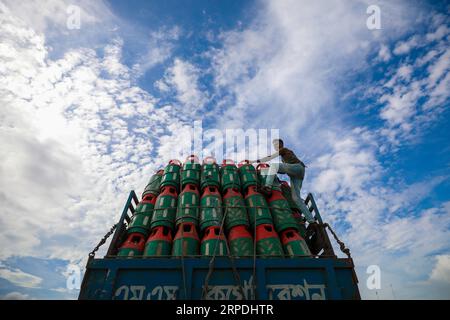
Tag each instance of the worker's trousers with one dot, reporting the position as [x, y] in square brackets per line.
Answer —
[296, 172]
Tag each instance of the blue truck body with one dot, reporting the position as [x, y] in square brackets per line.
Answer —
[323, 276]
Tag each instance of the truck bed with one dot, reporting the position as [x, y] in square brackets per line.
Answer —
[321, 276]
[176, 278]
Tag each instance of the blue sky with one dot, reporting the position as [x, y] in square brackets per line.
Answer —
[90, 113]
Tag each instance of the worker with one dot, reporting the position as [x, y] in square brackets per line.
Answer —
[293, 167]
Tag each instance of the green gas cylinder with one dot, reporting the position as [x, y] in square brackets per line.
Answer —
[267, 241]
[294, 244]
[165, 208]
[247, 174]
[186, 242]
[262, 170]
[210, 174]
[191, 171]
[154, 185]
[142, 217]
[213, 242]
[281, 212]
[133, 246]
[159, 242]
[229, 175]
[258, 210]
[287, 193]
[240, 241]
[188, 205]
[171, 176]
[235, 211]
[210, 208]
[300, 222]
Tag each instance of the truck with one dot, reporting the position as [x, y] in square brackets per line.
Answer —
[322, 276]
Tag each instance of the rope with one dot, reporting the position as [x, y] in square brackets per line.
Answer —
[237, 278]
[254, 261]
[228, 207]
[211, 263]
[182, 262]
[342, 246]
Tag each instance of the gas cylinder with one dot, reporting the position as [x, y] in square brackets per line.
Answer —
[294, 244]
[247, 174]
[171, 176]
[133, 245]
[210, 208]
[154, 185]
[142, 217]
[159, 242]
[186, 242]
[276, 183]
[281, 212]
[300, 222]
[258, 210]
[210, 175]
[235, 212]
[241, 241]
[267, 241]
[188, 205]
[287, 193]
[229, 175]
[165, 208]
[213, 242]
[262, 170]
[191, 171]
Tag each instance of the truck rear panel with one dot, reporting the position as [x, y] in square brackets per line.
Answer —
[176, 278]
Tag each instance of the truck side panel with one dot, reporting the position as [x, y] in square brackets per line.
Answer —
[167, 279]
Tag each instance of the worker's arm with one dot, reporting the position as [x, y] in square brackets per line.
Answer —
[268, 158]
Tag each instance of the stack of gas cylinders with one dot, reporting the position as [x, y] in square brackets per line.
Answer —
[203, 209]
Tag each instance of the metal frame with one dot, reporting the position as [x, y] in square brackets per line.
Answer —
[121, 226]
[311, 204]
[316, 234]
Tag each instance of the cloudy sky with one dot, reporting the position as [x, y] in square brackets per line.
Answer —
[88, 114]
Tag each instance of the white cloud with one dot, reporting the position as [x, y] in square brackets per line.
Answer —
[441, 270]
[20, 278]
[53, 13]
[15, 296]
[411, 193]
[416, 93]
[288, 62]
[384, 54]
[77, 137]
[97, 23]
[404, 47]
[184, 77]
[159, 48]
[402, 233]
